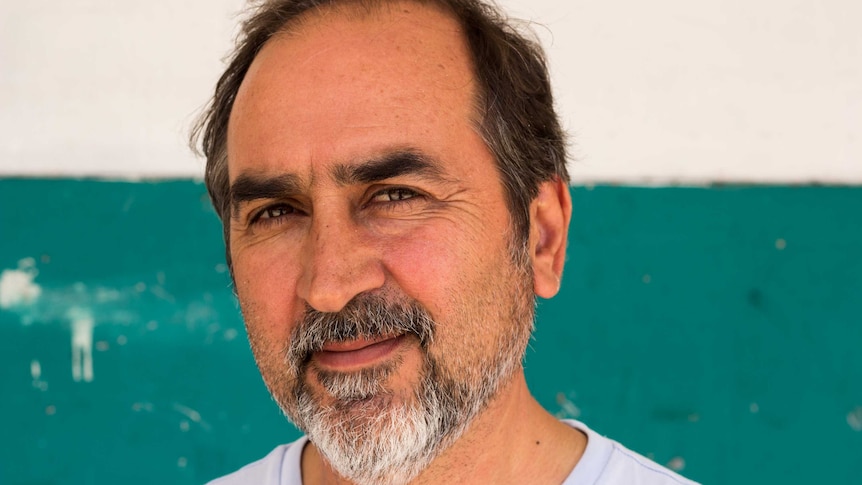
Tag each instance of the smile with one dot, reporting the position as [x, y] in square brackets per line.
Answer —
[353, 354]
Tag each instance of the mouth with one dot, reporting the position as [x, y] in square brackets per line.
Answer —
[356, 354]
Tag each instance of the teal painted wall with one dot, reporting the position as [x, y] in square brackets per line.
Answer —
[718, 330]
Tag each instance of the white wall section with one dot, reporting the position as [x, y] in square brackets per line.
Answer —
[107, 88]
[659, 92]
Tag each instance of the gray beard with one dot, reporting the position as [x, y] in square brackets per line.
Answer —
[368, 434]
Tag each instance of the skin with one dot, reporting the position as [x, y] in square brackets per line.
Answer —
[343, 90]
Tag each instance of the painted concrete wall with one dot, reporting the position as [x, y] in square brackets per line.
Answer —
[653, 92]
[716, 330]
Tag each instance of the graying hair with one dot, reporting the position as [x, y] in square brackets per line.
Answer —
[514, 106]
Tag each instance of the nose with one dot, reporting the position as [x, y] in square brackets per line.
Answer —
[338, 263]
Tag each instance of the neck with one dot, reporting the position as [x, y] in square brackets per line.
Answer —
[512, 441]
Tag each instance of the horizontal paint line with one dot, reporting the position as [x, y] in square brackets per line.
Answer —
[576, 182]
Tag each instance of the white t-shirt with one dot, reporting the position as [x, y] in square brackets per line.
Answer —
[605, 462]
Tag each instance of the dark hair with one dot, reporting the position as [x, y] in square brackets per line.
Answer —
[515, 108]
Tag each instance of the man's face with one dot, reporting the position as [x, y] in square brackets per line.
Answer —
[370, 239]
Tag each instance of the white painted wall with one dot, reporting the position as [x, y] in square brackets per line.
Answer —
[653, 92]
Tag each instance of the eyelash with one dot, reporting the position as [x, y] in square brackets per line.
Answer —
[412, 194]
[265, 219]
[407, 196]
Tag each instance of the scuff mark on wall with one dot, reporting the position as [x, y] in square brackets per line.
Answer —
[82, 344]
[854, 419]
[81, 308]
[36, 374]
[192, 414]
[142, 406]
[35, 370]
[568, 409]
[676, 464]
[17, 287]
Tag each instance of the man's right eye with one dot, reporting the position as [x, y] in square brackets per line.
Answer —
[274, 214]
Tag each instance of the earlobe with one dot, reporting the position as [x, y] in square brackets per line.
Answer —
[550, 213]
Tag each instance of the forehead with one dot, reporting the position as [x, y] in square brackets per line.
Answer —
[344, 83]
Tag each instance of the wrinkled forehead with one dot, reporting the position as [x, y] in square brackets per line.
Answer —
[340, 70]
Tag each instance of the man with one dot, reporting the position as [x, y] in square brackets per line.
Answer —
[391, 179]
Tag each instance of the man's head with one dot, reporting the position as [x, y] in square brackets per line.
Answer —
[385, 251]
[514, 109]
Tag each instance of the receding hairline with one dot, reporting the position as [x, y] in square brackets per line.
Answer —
[513, 105]
[357, 10]
[369, 10]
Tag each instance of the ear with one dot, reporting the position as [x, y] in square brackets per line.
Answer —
[550, 213]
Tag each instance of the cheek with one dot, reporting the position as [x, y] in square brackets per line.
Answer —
[265, 287]
[443, 267]
[423, 263]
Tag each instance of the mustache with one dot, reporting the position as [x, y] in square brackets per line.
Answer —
[366, 316]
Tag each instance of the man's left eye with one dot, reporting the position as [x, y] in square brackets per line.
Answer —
[393, 195]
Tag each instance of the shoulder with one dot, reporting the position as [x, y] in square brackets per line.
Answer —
[607, 462]
[280, 467]
[626, 466]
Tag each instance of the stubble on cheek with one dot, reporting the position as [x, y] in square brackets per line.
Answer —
[269, 342]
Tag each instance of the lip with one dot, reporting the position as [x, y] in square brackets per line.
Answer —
[353, 354]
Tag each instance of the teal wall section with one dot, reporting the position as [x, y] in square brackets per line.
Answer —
[717, 330]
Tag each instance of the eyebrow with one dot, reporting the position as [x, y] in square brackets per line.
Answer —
[249, 187]
[394, 164]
